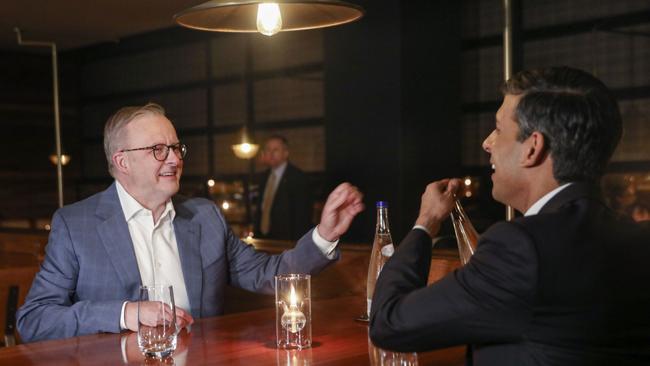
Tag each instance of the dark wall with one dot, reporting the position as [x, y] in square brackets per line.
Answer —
[392, 106]
[28, 178]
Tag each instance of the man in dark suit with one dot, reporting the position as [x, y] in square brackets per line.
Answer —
[285, 204]
[565, 284]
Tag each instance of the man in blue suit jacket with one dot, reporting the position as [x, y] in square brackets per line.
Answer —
[102, 249]
[565, 284]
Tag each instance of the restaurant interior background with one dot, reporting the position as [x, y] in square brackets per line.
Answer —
[399, 98]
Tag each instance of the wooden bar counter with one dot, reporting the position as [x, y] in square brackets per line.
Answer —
[246, 338]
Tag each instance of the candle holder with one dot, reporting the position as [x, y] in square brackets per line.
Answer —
[293, 311]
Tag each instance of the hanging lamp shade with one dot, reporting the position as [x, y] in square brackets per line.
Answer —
[242, 15]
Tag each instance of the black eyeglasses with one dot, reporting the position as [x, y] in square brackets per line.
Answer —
[161, 151]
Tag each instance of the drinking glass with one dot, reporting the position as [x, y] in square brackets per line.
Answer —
[157, 321]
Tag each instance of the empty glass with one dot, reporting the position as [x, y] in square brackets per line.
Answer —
[157, 321]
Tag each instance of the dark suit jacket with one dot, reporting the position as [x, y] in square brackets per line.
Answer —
[291, 212]
[90, 268]
[569, 286]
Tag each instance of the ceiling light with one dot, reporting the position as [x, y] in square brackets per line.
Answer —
[268, 17]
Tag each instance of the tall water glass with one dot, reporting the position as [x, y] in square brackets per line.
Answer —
[157, 321]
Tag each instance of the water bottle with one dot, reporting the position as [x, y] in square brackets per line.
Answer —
[466, 235]
[382, 249]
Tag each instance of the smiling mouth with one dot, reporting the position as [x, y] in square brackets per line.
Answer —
[167, 174]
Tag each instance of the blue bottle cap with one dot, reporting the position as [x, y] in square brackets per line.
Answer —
[382, 204]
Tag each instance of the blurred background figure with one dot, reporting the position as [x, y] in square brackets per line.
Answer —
[285, 200]
[628, 194]
[640, 210]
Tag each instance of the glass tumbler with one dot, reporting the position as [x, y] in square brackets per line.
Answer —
[157, 329]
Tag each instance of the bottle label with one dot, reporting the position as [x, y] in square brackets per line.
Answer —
[388, 250]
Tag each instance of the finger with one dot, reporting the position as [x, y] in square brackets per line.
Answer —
[453, 185]
[338, 196]
[185, 316]
[442, 184]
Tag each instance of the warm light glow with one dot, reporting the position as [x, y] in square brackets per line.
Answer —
[65, 159]
[245, 150]
[225, 205]
[47, 227]
[468, 194]
[292, 297]
[269, 19]
[210, 182]
[468, 181]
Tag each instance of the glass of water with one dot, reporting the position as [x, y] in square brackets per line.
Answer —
[157, 321]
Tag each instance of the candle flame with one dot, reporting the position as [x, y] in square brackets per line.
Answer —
[292, 297]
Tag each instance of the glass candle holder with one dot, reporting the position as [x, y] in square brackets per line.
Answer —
[293, 311]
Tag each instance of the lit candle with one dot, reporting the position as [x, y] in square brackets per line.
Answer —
[293, 319]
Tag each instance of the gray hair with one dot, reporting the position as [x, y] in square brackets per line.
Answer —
[114, 128]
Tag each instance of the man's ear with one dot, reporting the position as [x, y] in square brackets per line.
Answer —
[535, 150]
[120, 162]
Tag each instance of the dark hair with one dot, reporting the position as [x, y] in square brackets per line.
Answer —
[576, 113]
[281, 138]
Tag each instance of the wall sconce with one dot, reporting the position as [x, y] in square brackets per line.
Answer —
[268, 17]
[65, 159]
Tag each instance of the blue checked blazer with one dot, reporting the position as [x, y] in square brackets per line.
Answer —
[90, 267]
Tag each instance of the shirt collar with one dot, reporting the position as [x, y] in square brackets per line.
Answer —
[279, 171]
[131, 207]
[537, 206]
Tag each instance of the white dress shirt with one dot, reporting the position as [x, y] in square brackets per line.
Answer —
[155, 247]
[156, 250]
[534, 209]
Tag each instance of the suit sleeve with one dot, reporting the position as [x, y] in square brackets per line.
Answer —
[255, 271]
[51, 310]
[488, 300]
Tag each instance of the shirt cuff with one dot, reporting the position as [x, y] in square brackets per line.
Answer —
[325, 246]
[423, 229]
[122, 320]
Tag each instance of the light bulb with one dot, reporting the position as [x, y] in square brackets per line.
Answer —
[269, 19]
[246, 147]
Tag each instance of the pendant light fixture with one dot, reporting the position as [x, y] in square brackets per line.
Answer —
[246, 149]
[268, 17]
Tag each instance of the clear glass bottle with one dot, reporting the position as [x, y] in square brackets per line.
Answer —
[466, 235]
[382, 249]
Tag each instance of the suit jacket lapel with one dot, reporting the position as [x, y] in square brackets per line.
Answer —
[114, 234]
[189, 249]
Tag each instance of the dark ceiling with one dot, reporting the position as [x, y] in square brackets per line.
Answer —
[77, 23]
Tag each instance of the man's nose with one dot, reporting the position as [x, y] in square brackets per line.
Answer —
[487, 143]
[172, 158]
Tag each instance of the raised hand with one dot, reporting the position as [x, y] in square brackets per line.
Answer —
[437, 203]
[342, 205]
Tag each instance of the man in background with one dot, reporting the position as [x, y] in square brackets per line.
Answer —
[285, 206]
